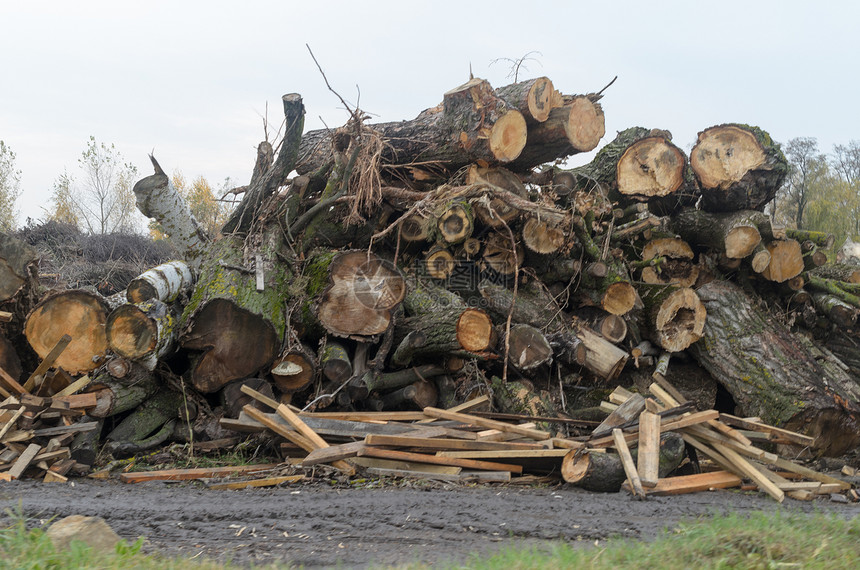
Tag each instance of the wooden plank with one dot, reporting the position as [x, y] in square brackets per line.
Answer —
[666, 424]
[77, 401]
[627, 460]
[750, 471]
[442, 444]
[626, 412]
[648, 458]
[506, 454]
[6, 317]
[266, 482]
[5, 476]
[792, 467]
[299, 425]
[333, 453]
[60, 430]
[11, 383]
[464, 407]
[63, 466]
[11, 421]
[194, 473]
[695, 483]
[790, 436]
[63, 453]
[294, 436]
[376, 463]
[74, 387]
[48, 361]
[368, 416]
[24, 460]
[278, 428]
[409, 474]
[260, 397]
[51, 477]
[437, 460]
[487, 423]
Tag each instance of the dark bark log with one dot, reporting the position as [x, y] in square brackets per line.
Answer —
[533, 98]
[604, 473]
[115, 396]
[499, 211]
[16, 259]
[262, 186]
[420, 395]
[85, 447]
[528, 348]
[734, 233]
[472, 124]
[781, 377]
[575, 127]
[392, 380]
[148, 426]
[335, 362]
[441, 333]
[296, 370]
[739, 167]
[233, 399]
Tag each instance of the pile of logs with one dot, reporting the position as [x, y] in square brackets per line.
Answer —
[424, 263]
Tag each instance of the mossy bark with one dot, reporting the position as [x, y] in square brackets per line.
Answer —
[237, 329]
[783, 378]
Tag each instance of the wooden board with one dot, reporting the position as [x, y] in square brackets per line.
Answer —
[442, 444]
[648, 458]
[487, 423]
[507, 454]
[194, 473]
[24, 460]
[787, 435]
[333, 453]
[267, 482]
[627, 460]
[437, 460]
[695, 483]
[376, 463]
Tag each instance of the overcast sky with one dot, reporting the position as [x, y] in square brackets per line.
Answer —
[192, 80]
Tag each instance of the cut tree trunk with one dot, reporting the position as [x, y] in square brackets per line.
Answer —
[78, 313]
[639, 165]
[268, 178]
[158, 199]
[363, 290]
[115, 396]
[576, 127]
[235, 329]
[143, 332]
[335, 362]
[420, 395]
[738, 167]
[442, 333]
[498, 212]
[604, 473]
[164, 282]
[778, 376]
[528, 348]
[296, 370]
[786, 260]
[150, 425]
[471, 124]
[533, 98]
[670, 262]
[676, 316]
[737, 234]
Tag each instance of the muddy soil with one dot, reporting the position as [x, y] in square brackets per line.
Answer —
[317, 526]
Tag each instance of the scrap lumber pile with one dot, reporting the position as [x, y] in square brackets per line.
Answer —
[411, 266]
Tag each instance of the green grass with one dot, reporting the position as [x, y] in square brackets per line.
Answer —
[762, 540]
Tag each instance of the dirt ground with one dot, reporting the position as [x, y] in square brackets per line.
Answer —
[318, 526]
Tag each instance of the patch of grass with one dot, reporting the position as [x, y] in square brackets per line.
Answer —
[762, 540]
[22, 547]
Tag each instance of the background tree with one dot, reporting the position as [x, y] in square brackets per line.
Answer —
[10, 188]
[808, 167]
[101, 201]
[846, 163]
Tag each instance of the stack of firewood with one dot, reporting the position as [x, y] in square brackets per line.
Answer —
[423, 263]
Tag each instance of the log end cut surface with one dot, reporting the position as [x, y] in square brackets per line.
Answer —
[724, 154]
[619, 299]
[585, 125]
[474, 330]
[680, 320]
[650, 167]
[508, 136]
[236, 344]
[79, 314]
[130, 333]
